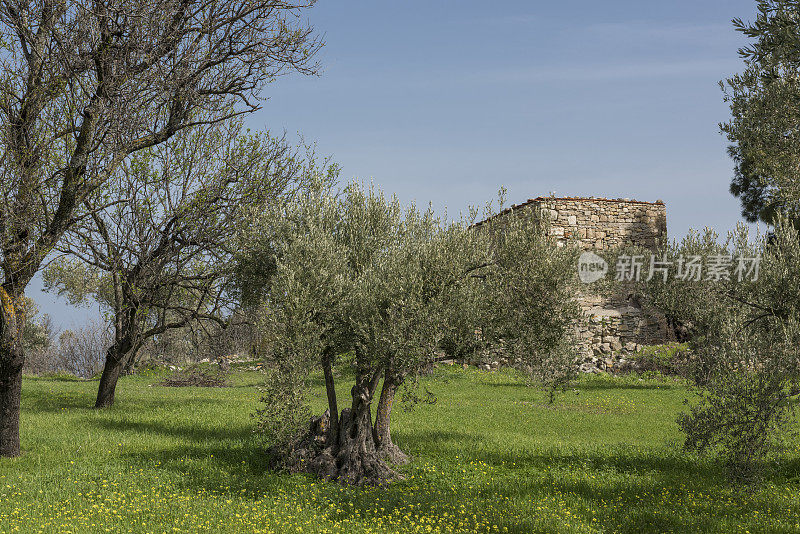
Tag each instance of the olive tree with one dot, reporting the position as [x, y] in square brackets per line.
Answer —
[745, 339]
[744, 331]
[361, 282]
[85, 84]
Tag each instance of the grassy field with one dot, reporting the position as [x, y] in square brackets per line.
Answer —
[490, 455]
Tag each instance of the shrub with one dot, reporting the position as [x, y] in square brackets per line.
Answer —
[671, 359]
[746, 362]
[742, 417]
[78, 352]
[283, 418]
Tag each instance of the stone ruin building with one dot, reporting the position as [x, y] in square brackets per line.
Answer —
[612, 326]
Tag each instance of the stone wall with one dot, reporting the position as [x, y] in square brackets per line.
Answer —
[612, 326]
[600, 223]
[611, 329]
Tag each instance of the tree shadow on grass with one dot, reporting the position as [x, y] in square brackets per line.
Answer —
[42, 401]
[55, 404]
[191, 431]
[49, 402]
[618, 383]
[240, 469]
[523, 479]
[630, 493]
[625, 489]
[620, 458]
[434, 442]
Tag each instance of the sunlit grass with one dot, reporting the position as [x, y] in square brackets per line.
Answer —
[490, 455]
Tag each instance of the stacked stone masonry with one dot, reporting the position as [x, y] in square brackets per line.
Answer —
[612, 326]
[597, 223]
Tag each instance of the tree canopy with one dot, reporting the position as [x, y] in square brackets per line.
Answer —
[362, 282]
[83, 86]
[764, 128]
[158, 257]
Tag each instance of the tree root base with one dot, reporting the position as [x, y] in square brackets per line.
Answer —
[352, 459]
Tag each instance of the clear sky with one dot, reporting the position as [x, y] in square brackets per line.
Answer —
[446, 101]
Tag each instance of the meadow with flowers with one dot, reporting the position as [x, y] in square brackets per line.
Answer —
[604, 457]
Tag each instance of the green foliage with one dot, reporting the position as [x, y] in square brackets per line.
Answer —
[745, 338]
[527, 305]
[283, 414]
[37, 333]
[356, 273]
[671, 359]
[677, 298]
[765, 116]
[744, 416]
[78, 282]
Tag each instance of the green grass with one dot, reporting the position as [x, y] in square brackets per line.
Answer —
[489, 455]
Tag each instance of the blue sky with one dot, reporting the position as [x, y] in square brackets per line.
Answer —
[446, 101]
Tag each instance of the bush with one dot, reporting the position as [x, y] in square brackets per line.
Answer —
[82, 352]
[742, 417]
[283, 419]
[671, 359]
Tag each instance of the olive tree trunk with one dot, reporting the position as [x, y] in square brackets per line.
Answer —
[353, 457]
[382, 435]
[330, 389]
[357, 457]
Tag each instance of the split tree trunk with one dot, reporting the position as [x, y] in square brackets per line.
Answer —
[383, 437]
[12, 358]
[352, 458]
[357, 459]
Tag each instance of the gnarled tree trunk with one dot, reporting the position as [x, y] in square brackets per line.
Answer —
[352, 458]
[12, 319]
[383, 437]
[357, 458]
